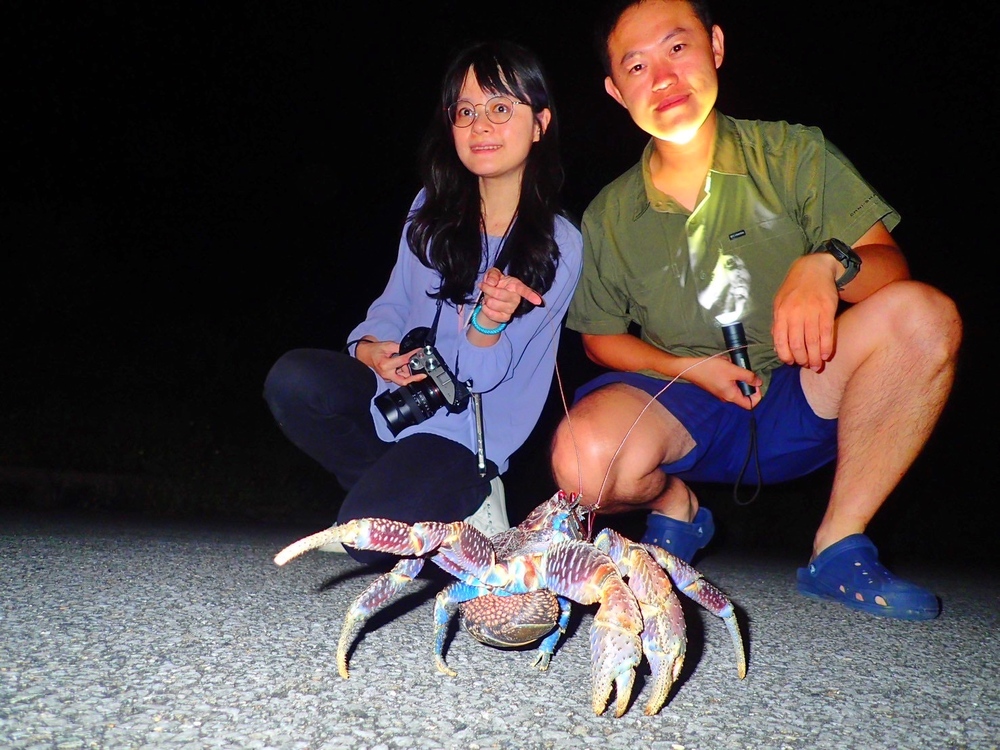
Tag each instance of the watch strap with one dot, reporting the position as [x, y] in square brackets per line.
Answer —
[843, 253]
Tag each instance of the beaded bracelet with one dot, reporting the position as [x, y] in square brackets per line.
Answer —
[485, 331]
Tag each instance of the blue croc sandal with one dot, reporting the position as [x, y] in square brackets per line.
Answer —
[680, 539]
[850, 573]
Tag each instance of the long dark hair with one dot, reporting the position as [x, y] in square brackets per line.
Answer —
[445, 232]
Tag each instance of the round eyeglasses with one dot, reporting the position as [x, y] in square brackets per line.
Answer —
[498, 109]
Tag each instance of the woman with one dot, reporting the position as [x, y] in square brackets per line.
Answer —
[487, 264]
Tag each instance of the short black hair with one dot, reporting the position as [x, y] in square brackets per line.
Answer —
[610, 12]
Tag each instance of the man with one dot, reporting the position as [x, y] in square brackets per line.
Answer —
[812, 239]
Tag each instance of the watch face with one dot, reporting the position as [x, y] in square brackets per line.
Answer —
[841, 251]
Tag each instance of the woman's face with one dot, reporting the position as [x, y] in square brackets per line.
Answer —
[490, 150]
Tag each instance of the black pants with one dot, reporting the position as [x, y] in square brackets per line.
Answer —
[321, 400]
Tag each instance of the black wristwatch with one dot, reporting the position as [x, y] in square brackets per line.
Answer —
[847, 257]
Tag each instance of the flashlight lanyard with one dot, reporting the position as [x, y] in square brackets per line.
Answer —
[752, 450]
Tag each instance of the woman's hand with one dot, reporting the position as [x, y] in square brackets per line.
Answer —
[386, 360]
[501, 297]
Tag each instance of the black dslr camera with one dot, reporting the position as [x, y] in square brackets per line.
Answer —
[412, 404]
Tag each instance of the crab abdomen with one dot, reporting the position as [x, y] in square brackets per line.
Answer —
[514, 620]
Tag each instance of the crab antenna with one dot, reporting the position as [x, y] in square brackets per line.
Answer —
[607, 475]
[569, 424]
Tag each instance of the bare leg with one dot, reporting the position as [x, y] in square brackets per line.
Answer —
[887, 383]
[611, 454]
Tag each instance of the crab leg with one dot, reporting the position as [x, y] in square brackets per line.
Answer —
[693, 584]
[379, 534]
[381, 590]
[456, 547]
[581, 572]
[445, 604]
[548, 647]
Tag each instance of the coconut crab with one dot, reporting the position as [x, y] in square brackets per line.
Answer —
[517, 588]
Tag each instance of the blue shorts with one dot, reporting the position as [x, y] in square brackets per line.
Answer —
[791, 440]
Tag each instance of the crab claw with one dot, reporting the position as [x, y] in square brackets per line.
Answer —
[664, 642]
[664, 639]
[583, 573]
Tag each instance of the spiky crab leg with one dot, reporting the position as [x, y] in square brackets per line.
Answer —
[380, 535]
[381, 590]
[695, 587]
[455, 547]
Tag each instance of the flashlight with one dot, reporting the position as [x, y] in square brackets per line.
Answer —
[736, 343]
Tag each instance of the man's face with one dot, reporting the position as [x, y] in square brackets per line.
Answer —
[663, 68]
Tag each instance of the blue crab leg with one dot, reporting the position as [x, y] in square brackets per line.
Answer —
[445, 604]
[548, 646]
[581, 572]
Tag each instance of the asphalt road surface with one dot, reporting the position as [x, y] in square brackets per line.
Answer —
[144, 634]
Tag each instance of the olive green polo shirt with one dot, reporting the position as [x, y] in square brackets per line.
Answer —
[775, 191]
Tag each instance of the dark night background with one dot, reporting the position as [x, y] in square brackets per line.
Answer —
[191, 189]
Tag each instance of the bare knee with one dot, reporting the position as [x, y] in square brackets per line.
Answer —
[612, 444]
[575, 452]
[925, 319]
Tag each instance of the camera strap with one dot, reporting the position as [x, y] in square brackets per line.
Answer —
[501, 261]
[432, 333]
[477, 401]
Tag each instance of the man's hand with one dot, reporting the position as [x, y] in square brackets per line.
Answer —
[806, 303]
[718, 375]
[804, 311]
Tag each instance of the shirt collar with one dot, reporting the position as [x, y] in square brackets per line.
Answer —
[727, 158]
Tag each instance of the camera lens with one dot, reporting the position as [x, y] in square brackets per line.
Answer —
[409, 405]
